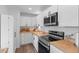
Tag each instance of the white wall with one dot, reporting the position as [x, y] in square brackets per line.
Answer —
[3, 9]
[29, 21]
[67, 30]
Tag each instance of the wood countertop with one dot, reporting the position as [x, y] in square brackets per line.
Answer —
[36, 32]
[40, 33]
[3, 50]
[65, 46]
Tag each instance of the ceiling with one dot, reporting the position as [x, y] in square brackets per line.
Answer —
[35, 8]
[24, 9]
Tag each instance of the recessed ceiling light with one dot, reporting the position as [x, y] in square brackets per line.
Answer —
[30, 8]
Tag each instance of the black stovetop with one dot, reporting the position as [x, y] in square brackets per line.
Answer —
[54, 36]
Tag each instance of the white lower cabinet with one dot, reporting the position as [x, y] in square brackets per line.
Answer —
[26, 38]
[53, 49]
[35, 42]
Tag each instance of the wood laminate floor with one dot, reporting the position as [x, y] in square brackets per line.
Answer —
[27, 48]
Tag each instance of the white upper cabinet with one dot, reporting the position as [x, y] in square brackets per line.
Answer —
[68, 15]
[51, 9]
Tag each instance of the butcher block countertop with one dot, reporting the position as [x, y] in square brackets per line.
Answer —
[36, 32]
[65, 46]
[40, 33]
[3, 50]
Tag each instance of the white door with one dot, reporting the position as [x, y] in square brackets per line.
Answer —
[4, 31]
[11, 33]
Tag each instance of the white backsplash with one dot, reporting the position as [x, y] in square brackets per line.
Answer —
[67, 30]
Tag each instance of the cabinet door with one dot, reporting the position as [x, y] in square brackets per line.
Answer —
[4, 31]
[68, 15]
[53, 9]
[53, 49]
[11, 34]
[35, 42]
[26, 38]
[22, 38]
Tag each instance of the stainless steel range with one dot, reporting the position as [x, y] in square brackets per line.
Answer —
[44, 45]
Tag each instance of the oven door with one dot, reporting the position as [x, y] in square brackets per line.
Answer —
[43, 48]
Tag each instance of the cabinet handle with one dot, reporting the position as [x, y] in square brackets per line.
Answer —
[8, 42]
[14, 34]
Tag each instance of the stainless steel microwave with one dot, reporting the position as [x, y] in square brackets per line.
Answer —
[51, 20]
